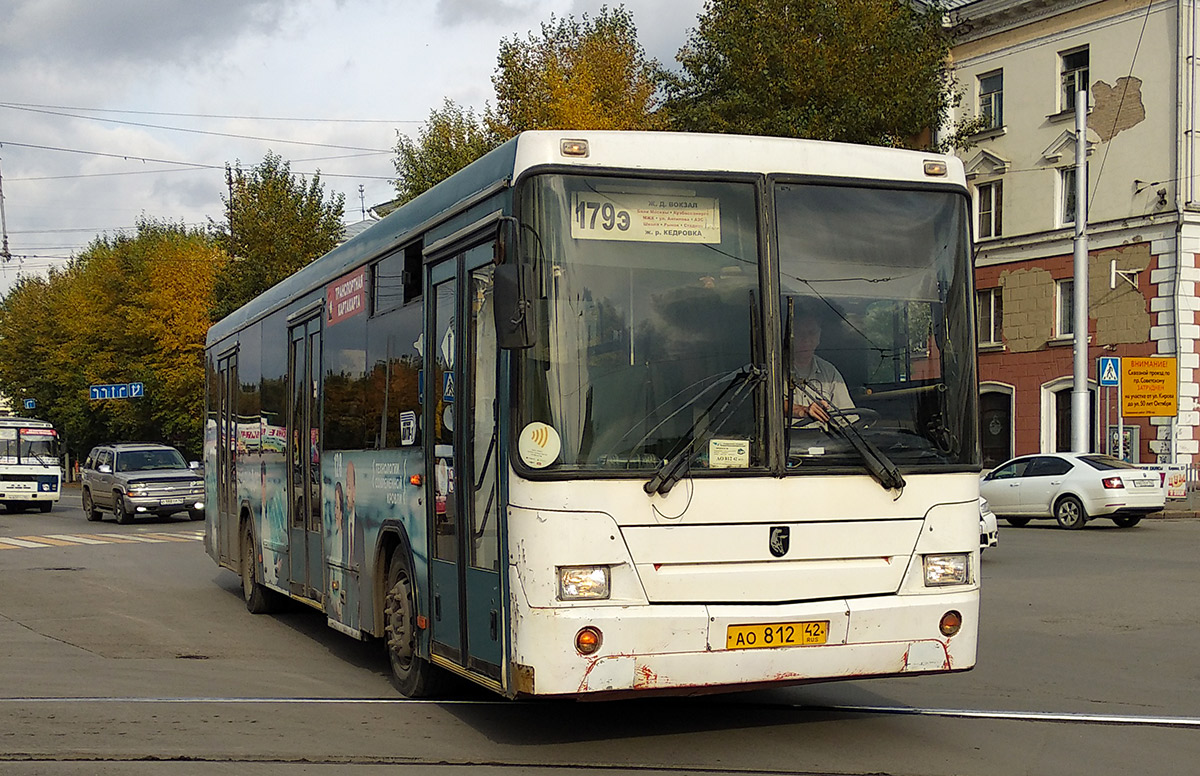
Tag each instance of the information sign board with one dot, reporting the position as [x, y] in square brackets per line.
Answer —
[1149, 387]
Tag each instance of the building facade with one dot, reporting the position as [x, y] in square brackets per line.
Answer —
[1021, 64]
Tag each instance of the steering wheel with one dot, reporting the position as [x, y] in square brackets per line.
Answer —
[863, 418]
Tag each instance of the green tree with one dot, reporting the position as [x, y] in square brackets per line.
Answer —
[146, 302]
[275, 224]
[451, 138]
[861, 71]
[590, 73]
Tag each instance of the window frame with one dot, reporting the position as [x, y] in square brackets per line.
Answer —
[1064, 312]
[991, 103]
[1066, 198]
[1066, 98]
[993, 220]
[995, 315]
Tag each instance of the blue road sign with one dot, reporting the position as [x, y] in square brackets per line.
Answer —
[30, 404]
[1108, 371]
[117, 391]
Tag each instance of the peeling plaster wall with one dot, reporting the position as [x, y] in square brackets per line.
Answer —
[1116, 108]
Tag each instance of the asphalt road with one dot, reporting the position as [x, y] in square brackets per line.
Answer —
[133, 654]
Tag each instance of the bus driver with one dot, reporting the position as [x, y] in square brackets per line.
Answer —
[816, 385]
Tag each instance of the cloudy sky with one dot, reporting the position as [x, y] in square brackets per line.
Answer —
[115, 109]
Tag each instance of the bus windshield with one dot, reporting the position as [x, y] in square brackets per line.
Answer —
[648, 290]
[650, 324]
[876, 288]
[28, 446]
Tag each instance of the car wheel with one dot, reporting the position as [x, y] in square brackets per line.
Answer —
[1019, 522]
[259, 599]
[119, 510]
[89, 507]
[1069, 513]
[413, 676]
[195, 514]
[1127, 521]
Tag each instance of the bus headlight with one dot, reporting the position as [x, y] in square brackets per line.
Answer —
[941, 570]
[579, 583]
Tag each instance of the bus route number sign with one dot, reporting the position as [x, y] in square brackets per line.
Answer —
[645, 218]
[777, 634]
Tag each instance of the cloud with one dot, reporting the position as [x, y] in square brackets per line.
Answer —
[114, 33]
[452, 13]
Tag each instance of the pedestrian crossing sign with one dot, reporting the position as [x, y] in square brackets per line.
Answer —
[1109, 371]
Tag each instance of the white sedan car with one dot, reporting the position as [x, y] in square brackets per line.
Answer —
[1072, 488]
[989, 533]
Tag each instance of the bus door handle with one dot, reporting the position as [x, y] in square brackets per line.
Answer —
[495, 624]
[437, 607]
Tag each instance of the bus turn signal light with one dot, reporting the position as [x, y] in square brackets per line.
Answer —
[415, 479]
[588, 640]
[951, 623]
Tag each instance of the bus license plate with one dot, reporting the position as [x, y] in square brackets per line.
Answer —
[778, 634]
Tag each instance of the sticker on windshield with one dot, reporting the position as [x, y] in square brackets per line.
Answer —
[539, 445]
[645, 218]
[728, 453]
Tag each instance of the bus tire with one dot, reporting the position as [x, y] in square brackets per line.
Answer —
[119, 510]
[412, 675]
[46, 506]
[89, 507]
[259, 599]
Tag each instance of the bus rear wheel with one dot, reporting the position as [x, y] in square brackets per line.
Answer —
[412, 675]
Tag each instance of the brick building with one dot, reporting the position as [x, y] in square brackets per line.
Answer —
[1020, 63]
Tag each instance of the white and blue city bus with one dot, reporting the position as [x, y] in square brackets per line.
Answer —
[30, 469]
[538, 427]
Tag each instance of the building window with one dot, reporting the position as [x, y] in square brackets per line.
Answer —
[1064, 304]
[991, 316]
[991, 100]
[1074, 74]
[990, 198]
[1066, 179]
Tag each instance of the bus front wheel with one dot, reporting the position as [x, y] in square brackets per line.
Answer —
[412, 675]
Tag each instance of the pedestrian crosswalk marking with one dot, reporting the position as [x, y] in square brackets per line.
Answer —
[75, 540]
[23, 542]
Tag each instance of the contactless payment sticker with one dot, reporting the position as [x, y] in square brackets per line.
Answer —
[539, 445]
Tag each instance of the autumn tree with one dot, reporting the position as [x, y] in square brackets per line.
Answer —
[451, 138]
[590, 73]
[275, 224]
[862, 71]
[146, 297]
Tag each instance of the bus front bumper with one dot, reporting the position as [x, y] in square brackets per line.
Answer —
[681, 649]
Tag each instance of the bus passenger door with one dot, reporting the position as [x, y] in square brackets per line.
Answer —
[304, 462]
[227, 497]
[468, 618]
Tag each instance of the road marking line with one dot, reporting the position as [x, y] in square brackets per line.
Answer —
[53, 541]
[4, 546]
[109, 538]
[132, 538]
[166, 537]
[23, 543]
[76, 539]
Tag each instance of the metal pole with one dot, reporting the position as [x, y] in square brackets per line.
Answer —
[4, 254]
[1080, 400]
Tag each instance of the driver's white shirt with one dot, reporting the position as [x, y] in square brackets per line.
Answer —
[821, 381]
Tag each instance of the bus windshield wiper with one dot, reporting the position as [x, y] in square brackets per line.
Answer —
[878, 465]
[671, 470]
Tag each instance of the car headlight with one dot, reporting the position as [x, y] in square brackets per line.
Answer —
[136, 489]
[941, 570]
[579, 583]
